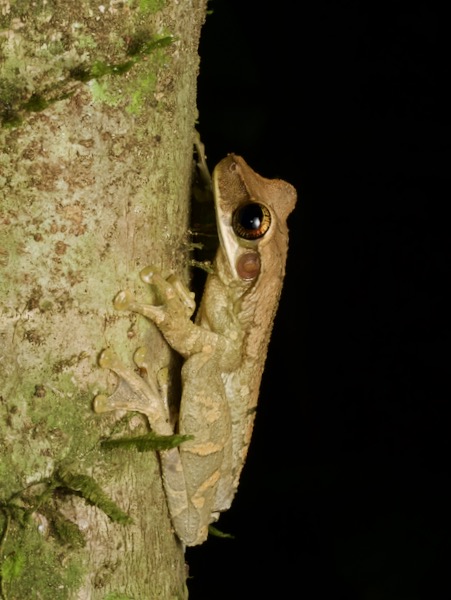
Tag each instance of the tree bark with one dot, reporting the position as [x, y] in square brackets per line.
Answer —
[97, 103]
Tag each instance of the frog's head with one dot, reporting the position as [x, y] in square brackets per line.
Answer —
[251, 214]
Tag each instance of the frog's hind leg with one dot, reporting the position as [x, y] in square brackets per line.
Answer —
[134, 393]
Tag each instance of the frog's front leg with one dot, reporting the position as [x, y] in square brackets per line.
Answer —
[192, 472]
[172, 315]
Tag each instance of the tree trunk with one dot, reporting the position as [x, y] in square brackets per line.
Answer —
[97, 104]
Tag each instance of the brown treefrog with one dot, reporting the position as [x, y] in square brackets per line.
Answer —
[224, 348]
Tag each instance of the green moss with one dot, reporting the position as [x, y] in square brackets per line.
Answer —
[30, 558]
[32, 566]
[86, 42]
[215, 532]
[35, 506]
[139, 46]
[131, 92]
[12, 566]
[35, 103]
[150, 6]
[48, 409]
[134, 90]
[9, 475]
[143, 43]
[90, 490]
[99, 69]
[101, 92]
[55, 67]
[10, 96]
[145, 86]
[55, 48]
[11, 91]
[10, 118]
[147, 442]
[65, 531]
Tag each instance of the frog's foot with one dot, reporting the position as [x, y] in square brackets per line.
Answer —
[177, 302]
[172, 290]
[134, 393]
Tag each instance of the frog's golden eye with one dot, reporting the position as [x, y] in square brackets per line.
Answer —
[251, 221]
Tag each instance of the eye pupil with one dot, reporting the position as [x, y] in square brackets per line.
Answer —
[251, 221]
[251, 216]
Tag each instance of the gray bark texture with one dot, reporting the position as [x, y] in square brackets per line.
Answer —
[97, 110]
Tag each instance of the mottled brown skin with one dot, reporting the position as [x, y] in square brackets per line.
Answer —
[224, 350]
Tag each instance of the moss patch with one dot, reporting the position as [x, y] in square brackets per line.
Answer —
[151, 6]
[51, 62]
[33, 566]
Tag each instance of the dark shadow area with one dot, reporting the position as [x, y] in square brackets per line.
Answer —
[345, 493]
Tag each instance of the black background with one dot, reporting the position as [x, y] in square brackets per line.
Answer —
[345, 490]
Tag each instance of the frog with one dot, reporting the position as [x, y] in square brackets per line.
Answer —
[224, 348]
